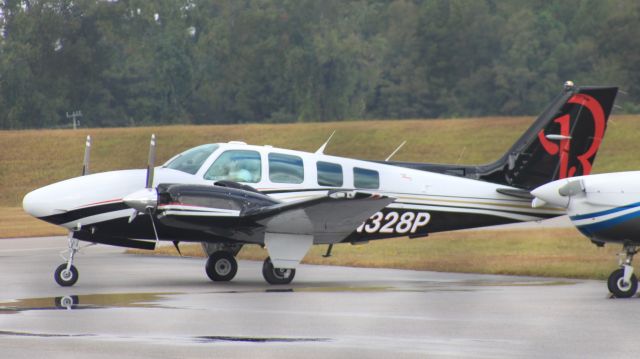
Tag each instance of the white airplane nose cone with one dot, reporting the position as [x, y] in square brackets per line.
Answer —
[550, 194]
[29, 203]
[35, 203]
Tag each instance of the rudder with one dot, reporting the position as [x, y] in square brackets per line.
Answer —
[562, 142]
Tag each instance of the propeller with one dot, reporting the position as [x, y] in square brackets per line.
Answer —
[145, 200]
[151, 161]
[87, 156]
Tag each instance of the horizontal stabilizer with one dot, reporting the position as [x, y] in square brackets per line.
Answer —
[515, 192]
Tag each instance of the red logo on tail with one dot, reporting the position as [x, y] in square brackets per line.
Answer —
[563, 148]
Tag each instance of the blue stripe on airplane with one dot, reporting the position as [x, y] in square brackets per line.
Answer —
[592, 228]
[602, 213]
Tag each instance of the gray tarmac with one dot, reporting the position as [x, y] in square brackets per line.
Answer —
[127, 306]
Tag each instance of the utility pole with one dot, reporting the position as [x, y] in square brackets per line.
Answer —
[73, 116]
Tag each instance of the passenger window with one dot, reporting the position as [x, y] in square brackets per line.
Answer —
[363, 178]
[236, 165]
[285, 168]
[329, 174]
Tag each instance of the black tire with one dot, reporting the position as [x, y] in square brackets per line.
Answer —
[66, 278]
[618, 289]
[276, 275]
[221, 266]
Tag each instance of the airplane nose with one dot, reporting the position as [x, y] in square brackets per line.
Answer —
[33, 204]
[37, 204]
[550, 193]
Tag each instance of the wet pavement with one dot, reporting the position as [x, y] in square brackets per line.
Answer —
[128, 306]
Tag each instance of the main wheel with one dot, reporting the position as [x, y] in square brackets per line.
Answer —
[64, 277]
[276, 275]
[620, 289]
[221, 266]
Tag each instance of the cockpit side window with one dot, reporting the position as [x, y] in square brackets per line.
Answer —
[236, 165]
[191, 160]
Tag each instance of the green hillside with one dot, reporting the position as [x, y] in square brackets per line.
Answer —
[31, 159]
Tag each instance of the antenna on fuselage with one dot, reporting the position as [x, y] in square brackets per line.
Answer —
[320, 150]
[87, 156]
[394, 152]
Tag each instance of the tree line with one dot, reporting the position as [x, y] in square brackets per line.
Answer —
[142, 62]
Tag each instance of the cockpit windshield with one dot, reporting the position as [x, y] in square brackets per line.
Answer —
[191, 160]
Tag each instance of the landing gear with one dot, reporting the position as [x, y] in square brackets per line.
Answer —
[276, 275]
[221, 266]
[622, 282]
[66, 274]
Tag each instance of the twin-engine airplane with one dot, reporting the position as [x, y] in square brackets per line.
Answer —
[227, 195]
[606, 209]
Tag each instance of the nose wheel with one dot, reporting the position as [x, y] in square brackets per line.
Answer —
[66, 274]
[623, 283]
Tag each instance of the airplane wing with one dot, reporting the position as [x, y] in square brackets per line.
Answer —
[287, 229]
[328, 218]
[291, 228]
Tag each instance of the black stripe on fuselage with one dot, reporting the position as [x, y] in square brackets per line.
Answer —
[84, 212]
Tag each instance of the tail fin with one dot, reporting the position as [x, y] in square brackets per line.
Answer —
[562, 142]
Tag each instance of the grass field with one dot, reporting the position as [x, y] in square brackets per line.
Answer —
[31, 159]
[15, 223]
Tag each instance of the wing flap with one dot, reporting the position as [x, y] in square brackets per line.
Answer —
[334, 216]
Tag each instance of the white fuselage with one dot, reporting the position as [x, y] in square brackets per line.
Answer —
[421, 192]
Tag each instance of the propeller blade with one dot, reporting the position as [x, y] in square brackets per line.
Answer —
[151, 162]
[175, 244]
[87, 155]
[133, 216]
[145, 200]
[153, 224]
